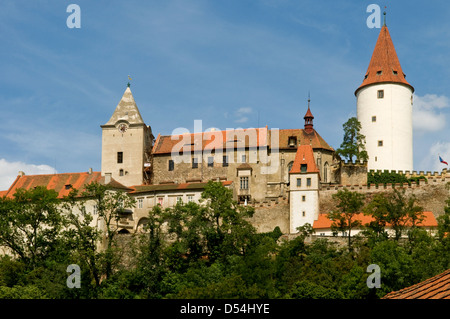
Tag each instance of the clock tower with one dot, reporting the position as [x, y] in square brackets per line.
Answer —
[126, 144]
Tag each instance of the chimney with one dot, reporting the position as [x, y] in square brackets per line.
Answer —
[90, 171]
[21, 173]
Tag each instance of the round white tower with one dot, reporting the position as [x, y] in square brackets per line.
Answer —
[384, 109]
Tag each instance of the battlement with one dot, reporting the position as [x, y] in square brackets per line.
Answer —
[409, 174]
[432, 178]
[269, 202]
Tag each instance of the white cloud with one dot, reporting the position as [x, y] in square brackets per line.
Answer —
[241, 114]
[427, 114]
[10, 170]
[431, 160]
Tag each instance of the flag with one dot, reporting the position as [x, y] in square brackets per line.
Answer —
[442, 161]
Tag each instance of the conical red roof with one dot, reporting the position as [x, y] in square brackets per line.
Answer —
[384, 67]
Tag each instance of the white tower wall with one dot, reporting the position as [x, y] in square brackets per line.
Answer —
[387, 120]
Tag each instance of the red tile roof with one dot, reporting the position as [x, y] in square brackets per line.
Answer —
[3, 193]
[437, 287]
[211, 140]
[303, 138]
[384, 67]
[172, 187]
[303, 156]
[58, 182]
[324, 223]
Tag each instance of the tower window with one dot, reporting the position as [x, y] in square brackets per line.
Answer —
[171, 165]
[303, 213]
[299, 182]
[308, 182]
[374, 118]
[380, 143]
[303, 198]
[119, 157]
[380, 94]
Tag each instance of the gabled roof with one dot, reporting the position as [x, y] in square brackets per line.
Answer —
[126, 110]
[304, 156]
[61, 183]
[437, 287]
[384, 66]
[323, 222]
[303, 138]
[211, 140]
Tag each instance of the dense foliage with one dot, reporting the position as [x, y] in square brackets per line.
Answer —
[206, 250]
[386, 177]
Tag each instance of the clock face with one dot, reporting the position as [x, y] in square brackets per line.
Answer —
[122, 127]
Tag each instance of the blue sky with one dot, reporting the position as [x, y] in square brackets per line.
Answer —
[234, 63]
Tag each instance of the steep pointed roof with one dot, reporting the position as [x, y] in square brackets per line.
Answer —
[303, 156]
[384, 66]
[126, 110]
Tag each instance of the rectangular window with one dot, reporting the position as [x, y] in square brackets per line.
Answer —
[171, 165]
[244, 158]
[160, 200]
[380, 143]
[303, 213]
[299, 182]
[244, 182]
[380, 94]
[225, 161]
[140, 202]
[190, 198]
[179, 199]
[195, 162]
[374, 118]
[95, 210]
[119, 157]
[210, 161]
[303, 168]
[303, 198]
[308, 182]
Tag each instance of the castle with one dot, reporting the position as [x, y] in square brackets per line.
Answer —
[288, 175]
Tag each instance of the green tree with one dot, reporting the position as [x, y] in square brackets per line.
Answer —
[349, 205]
[31, 225]
[353, 144]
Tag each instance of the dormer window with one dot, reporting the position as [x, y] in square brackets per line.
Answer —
[394, 72]
[292, 141]
[68, 186]
[379, 72]
[303, 168]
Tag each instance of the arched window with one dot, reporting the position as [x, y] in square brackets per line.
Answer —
[121, 172]
[325, 172]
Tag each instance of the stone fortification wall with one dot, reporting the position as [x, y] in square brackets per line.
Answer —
[431, 193]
